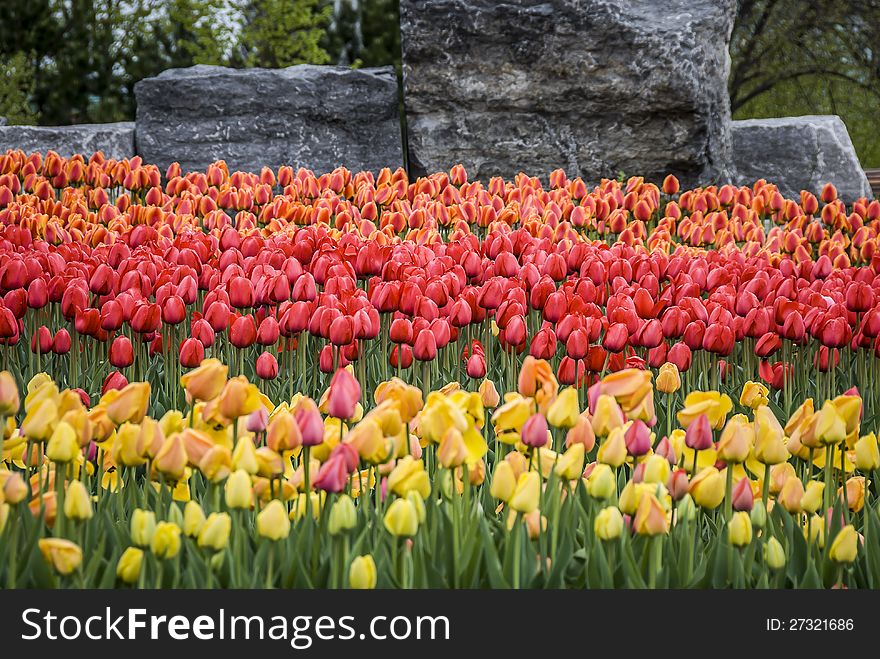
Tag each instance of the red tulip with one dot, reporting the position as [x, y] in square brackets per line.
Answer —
[616, 337]
[698, 435]
[61, 342]
[267, 366]
[192, 353]
[476, 366]
[173, 310]
[680, 355]
[243, 332]
[41, 341]
[121, 352]
[114, 380]
[425, 346]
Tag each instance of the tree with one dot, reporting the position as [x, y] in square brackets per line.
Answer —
[16, 89]
[280, 33]
[364, 33]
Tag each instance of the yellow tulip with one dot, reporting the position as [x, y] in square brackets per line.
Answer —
[171, 460]
[503, 481]
[127, 404]
[601, 484]
[193, 519]
[774, 554]
[613, 450]
[867, 453]
[273, 522]
[855, 493]
[830, 426]
[239, 492]
[216, 464]
[405, 397]
[814, 531]
[143, 526]
[438, 415]
[791, 495]
[126, 449]
[508, 419]
[607, 416]
[571, 463]
[39, 422]
[736, 440]
[527, 494]
[811, 501]
[63, 555]
[739, 529]
[343, 515]
[205, 382]
[369, 441]
[845, 545]
[12, 487]
[769, 438]
[401, 518]
[564, 411]
[800, 415]
[316, 503]
[4, 515]
[754, 395]
[165, 543]
[849, 408]
[9, 400]
[409, 475]
[128, 568]
[608, 524]
[214, 533]
[171, 422]
[668, 379]
[63, 446]
[452, 451]
[77, 503]
[656, 469]
[489, 394]
[713, 404]
[82, 425]
[362, 573]
[707, 488]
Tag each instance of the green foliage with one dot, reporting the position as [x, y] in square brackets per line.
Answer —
[16, 88]
[794, 57]
[364, 33]
[280, 33]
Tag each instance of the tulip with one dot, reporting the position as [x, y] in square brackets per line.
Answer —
[401, 518]
[409, 475]
[267, 366]
[737, 440]
[121, 353]
[77, 502]
[601, 483]
[844, 548]
[362, 573]
[205, 382]
[867, 453]
[742, 497]
[503, 482]
[63, 555]
[608, 524]
[791, 495]
[128, 568]
[638, 438]
[855, 493]
[273, 522]
[713, 405]
[668, 379]
[613, 451]
[239, 494]
[534, 433]
[63, 446]
[343, 516]
[707, 488]
[452, 451]
[698, 435]
[830, 426]
[527, 493]
[193, 519]
[171, 460]
[129, 403]
[754, 395]
[650, 517]
[9, 400]
[283, 433]
[769, 438]
[344, 394]
[570, 465]
[143, 526]
[214, 533]
[165, 543]
[811, 501]
[739, 529]
[774, 554]
[607, 416]
[564, 412]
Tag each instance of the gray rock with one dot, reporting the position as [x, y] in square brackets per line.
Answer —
[3, 121]
[798, 153]
[115, 140]
[592, 86]
[318, 117]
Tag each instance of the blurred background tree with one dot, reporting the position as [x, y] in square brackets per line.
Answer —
[75, 61]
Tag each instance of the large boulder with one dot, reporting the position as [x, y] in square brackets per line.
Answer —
[318, 117]
[115, 140]
[593, 86]
[798, 153]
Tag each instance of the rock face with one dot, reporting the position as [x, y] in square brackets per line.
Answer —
[798, 153]
[115, 140]
[3, 121]
[318, 117]
[592, 86]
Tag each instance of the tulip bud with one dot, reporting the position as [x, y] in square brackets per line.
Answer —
[707, 488]
[214, 533]
[650, 517]
[845, 546]
[527, 494]
[14, 490]
[193, 519]
[698, 435]
[774, 554]
[239, 493]
[343, 516]
[128, 569]
[608, 524]
[668, 379]
[165, 543]
[570, 465]
[811, 501]
[791, 495]
[686, 509]
[143, 525]
[273, 522]
[739, 529]
[401, 518]
[77, 503]
[564, 411]
[63, 555]
[452, 450]
[205, 382]
[171, 459]
[613, 450]
[601, 483]
[534, 433]
[758, 514]
[9, 400]
[814, 531]
[867, 453]
[362, 573]
[488, 394]
[503, 482]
